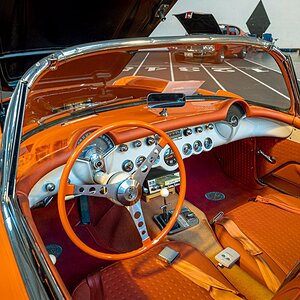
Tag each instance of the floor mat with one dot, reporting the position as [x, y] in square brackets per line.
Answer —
[112, 231]
[204, 175]
[72, 264]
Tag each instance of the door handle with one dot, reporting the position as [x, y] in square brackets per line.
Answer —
[267, 157]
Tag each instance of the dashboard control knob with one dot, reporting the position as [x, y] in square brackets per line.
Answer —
[50, 187]
[199, 129]
[96, 161]
[150, 141]
[140, 159]
[127, 165]
[209, 126]
[187, 131]
[137, 144]
[123, 148]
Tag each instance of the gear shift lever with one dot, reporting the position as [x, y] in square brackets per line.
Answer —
[164, 192]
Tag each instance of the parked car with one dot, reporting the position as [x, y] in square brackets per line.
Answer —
[196, 23]
[117, 166]
[240, 52]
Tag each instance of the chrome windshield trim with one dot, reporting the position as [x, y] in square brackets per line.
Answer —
[143, 43]
[19, 233]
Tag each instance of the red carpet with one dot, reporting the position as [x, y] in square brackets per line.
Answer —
[73, 264]
[205, 175]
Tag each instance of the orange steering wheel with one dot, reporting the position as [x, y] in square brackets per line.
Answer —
[125, 193]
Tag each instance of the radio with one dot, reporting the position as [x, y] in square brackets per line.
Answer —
[158, 179]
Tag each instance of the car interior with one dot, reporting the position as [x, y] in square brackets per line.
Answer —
[234, 168]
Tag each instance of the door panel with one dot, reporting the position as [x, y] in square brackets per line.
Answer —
[284, 173]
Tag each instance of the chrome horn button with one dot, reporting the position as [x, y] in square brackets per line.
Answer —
[129, 192]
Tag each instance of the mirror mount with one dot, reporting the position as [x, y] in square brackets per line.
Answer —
[165, 100]
[164, 112]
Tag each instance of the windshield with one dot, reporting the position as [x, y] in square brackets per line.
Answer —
[108, 78]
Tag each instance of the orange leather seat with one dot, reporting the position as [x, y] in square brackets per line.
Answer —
[274, 230]
[146, 277]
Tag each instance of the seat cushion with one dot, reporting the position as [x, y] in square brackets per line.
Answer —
[275, 231]
[146, 277]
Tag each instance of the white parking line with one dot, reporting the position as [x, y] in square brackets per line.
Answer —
[256, 63]
[213, 78]
[136, 71]
[269, 87]
[171, 67]
[264, 66]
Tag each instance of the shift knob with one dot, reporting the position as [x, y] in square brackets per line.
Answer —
[164, 192]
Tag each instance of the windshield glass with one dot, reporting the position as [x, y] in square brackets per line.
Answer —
[93, 81]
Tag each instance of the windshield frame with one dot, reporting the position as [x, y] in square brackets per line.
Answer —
[57, 59]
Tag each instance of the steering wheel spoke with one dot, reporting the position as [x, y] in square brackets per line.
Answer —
[96, 190]
[137, 216]
[141, 173]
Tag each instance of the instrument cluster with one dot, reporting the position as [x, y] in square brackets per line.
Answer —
[190, 140]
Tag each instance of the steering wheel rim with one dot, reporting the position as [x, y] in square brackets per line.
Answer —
[64, 189]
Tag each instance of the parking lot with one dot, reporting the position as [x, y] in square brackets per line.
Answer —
[235, 75]
[256, 70]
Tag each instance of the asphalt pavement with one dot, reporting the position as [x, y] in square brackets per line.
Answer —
[248, 77]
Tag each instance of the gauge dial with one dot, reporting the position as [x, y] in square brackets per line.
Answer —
[208, 143]
[197, 146]
[101, 145]
[169, 158]
[187, 149]
[90, 151]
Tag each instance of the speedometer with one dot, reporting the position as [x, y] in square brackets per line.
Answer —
[101, 145]
[90, 151]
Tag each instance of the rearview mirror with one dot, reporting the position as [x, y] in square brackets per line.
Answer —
[165, 100]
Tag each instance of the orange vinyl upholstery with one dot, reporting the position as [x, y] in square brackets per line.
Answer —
[289, 291]
[146, 277]
[274, 230]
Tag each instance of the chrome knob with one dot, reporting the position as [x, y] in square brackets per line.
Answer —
[187, 131]
[123, 148]
[198, 129]
[137, 144]
[210, 126]
[96, 161]
[150, 141]
[50, 187]
[127, 165]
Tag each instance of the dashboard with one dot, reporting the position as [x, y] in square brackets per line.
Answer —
[103, 159]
